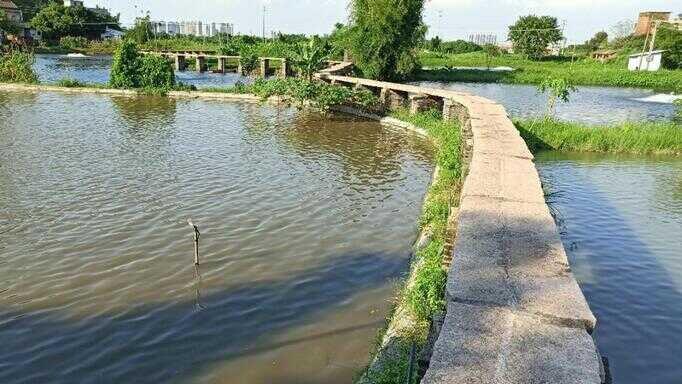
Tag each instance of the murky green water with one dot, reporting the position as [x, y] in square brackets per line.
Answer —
[306, 222]
[621, 223]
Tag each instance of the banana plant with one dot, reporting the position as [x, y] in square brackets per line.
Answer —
[310, 57]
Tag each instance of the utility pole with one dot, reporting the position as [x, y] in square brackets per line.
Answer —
[440, 23]
[264, 10]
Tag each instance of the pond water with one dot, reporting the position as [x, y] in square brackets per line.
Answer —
[621, 224]
[590, 105]
[306, 222]
[95, 70]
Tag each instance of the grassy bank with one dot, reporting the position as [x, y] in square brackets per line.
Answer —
[423, 295]
[580, 71]
[636, 138]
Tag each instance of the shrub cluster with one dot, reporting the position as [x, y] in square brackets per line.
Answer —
[130, 69]
[73, 42]
[17, 67]
[321, 95]
[459, 46]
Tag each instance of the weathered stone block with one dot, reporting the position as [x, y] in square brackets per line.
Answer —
[487, 345]
[264, 67]
[421, 103]
[503, 177]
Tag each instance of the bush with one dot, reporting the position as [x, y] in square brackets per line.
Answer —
[156, 73]
[249, 59]
[678, 113]
[132, 70]
[126, 66]
[321, 95]
[17, 67]
[671, 41]
[459, 46]
[71, 42]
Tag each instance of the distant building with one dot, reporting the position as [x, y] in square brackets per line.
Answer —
[647, 61]
[677, 21]
[192, 28]
[112, 34]
[646, 21]
[73, 3]
[483, 39]
[15, 15]
[12, 11]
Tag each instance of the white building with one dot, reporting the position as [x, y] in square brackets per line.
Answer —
[192, 28]
[647, 61]
[483, 38]
[112, 34]
[73, 3]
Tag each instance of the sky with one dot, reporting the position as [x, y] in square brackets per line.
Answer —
[450, 19]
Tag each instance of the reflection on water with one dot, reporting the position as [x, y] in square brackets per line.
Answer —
[155, 112]
[591, 105]
[621, 218]
[96, 69]
[299, 249]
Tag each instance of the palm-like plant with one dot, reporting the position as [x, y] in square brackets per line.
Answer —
[310, 57]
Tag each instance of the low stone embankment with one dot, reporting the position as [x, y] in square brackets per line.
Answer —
[515, 313]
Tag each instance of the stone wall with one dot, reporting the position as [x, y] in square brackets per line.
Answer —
[515, 313]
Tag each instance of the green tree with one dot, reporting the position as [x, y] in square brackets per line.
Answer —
[559, 90]
[142, 31]
[55, 21]
[670, 40]
[532, 35]
[125, 68]
[598, 40]
[385, 35]
[435, 44]
[310, 57]
[30, 8]
[460, 46]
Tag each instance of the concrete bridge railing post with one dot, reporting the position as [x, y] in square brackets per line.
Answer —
[240, 67]
[201, 64]
[222, 64]
[180, 63]
[264, 67]
[284, 69]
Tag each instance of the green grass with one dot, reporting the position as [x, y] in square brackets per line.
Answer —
[70, 83]
[580, 71]
[636, 138]
[426, 295]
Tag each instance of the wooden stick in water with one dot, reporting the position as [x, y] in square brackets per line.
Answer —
[196, 241]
